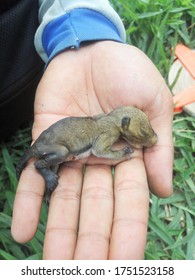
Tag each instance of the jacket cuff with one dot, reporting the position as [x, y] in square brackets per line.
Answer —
[74, 28]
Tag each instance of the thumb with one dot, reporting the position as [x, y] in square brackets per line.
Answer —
[159, 158]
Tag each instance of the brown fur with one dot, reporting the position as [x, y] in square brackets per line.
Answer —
[77, 137]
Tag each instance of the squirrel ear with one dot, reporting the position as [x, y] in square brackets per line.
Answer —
[125, 122]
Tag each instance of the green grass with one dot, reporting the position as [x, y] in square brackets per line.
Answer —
[155, 27]
[171, 226]
[10, 154]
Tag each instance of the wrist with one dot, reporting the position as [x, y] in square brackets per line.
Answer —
[75, 28]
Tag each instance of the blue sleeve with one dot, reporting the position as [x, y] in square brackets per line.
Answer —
[61, 29]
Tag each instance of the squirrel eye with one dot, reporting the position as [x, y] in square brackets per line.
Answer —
[144, 132]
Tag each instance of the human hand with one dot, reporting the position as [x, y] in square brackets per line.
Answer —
[98, 215]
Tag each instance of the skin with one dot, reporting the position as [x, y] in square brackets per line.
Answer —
[98, 216]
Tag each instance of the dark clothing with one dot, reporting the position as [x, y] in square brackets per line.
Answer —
[20, 66]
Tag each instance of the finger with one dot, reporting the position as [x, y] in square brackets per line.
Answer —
[27, 204]
[159, 158]
[131, 211]
[62, 225]
[96, 213]
[159, 166]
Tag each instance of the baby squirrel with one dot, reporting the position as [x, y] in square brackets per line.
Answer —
[73, 138]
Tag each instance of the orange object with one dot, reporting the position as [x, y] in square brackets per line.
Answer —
[187, 57]
[183, 98]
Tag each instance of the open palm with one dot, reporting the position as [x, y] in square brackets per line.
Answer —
[98, 215]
